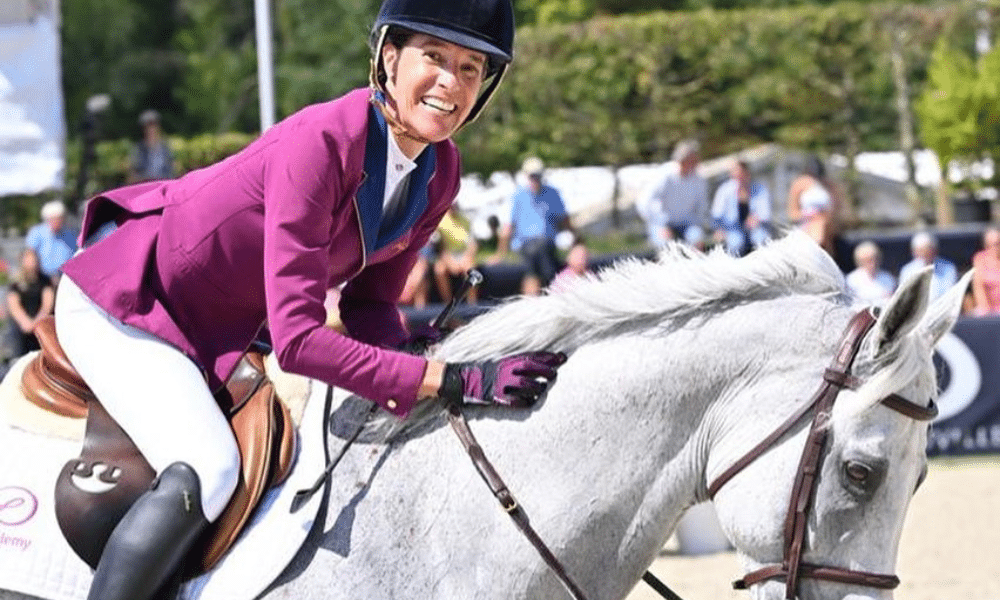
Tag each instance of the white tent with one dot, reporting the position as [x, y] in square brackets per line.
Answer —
[32, 123]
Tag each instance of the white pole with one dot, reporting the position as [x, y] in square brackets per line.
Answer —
[983, 30]
[265, 67]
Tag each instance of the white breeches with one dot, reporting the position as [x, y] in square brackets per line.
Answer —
[155, 392]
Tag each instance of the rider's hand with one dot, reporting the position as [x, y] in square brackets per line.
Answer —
[516, 380]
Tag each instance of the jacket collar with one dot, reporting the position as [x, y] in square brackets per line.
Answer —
[376, 233]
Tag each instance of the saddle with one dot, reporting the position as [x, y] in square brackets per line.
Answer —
[94, 491]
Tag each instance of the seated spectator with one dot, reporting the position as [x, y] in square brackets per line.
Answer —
[53, 242]
[537, 215]
[741, 211]
[986, 277]
[924, 248]
[30, 298]
[416, 289]
[455, 254]
[868, 283]
[576, 265]
[675, 206]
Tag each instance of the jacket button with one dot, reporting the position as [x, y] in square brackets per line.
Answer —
[392, 404]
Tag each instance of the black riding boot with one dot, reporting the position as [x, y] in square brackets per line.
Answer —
[148, 545]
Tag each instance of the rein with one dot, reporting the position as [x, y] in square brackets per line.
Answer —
[513, 508]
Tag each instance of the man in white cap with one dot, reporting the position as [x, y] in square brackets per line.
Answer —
[675, 206]
[537, 215]
[51, 239]
[924, 247]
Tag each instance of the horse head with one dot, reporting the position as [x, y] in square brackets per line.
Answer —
[828, 528]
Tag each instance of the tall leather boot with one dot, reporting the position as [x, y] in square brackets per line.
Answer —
[146, 548]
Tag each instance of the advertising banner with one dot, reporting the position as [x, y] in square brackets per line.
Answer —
[32, 123]
[969, 376]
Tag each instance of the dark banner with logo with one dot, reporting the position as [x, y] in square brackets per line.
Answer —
[969, 375]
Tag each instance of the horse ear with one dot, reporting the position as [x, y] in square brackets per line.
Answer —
[943, 313]
[903, 311]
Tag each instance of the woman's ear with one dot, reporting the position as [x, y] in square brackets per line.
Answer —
[390, 54]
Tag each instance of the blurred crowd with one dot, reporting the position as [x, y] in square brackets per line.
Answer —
[537, 235]
[678, 204]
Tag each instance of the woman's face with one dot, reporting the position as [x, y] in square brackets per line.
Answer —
[434, 85]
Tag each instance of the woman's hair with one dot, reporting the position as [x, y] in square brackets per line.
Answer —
[814, 166]
[398, 37]
[25, 277]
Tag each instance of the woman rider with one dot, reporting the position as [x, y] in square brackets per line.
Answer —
[178, 277]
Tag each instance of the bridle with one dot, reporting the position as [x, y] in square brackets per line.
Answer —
[836, 378]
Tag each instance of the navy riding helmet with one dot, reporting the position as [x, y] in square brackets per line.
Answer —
[486, 26]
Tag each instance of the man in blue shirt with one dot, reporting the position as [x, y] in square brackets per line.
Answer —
[741, 211]
[924, 247]
[51, 239]
[537, 215]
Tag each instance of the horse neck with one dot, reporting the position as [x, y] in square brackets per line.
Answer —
[629, 427]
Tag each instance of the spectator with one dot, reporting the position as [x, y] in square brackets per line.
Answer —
[537, 215]
[924, 247]
[812, 203]
[676, 205]
[30, 298]
[455, 254]
[417, 287]
[986, 277]
[576, 265]
[741, 211]
[151, 157]
[52, 240]
[868, 283]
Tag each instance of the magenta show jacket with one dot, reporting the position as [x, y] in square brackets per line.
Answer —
[206, 260]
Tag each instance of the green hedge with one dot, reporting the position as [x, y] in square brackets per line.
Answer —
[110, 169]
[624, 90]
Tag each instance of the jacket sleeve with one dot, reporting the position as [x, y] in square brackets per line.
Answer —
[304, 189]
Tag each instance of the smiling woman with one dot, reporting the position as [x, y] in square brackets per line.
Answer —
[177, 278]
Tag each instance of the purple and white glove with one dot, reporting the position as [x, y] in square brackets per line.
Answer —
[516, 380]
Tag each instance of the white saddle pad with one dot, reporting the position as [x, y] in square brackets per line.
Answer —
[36, 560]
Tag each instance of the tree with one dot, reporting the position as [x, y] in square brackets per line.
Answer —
[122, 48]
[959, 112]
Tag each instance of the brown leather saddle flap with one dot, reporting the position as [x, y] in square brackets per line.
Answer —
[266, 439]
[262, 425]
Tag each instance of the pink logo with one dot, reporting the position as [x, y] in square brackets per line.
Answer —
[17, 505]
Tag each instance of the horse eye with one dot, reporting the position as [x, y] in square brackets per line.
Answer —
[857, 472]
[861, 478]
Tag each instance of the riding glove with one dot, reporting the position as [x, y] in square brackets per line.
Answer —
[516, 380]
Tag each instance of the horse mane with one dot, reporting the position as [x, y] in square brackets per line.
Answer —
[682, 283]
